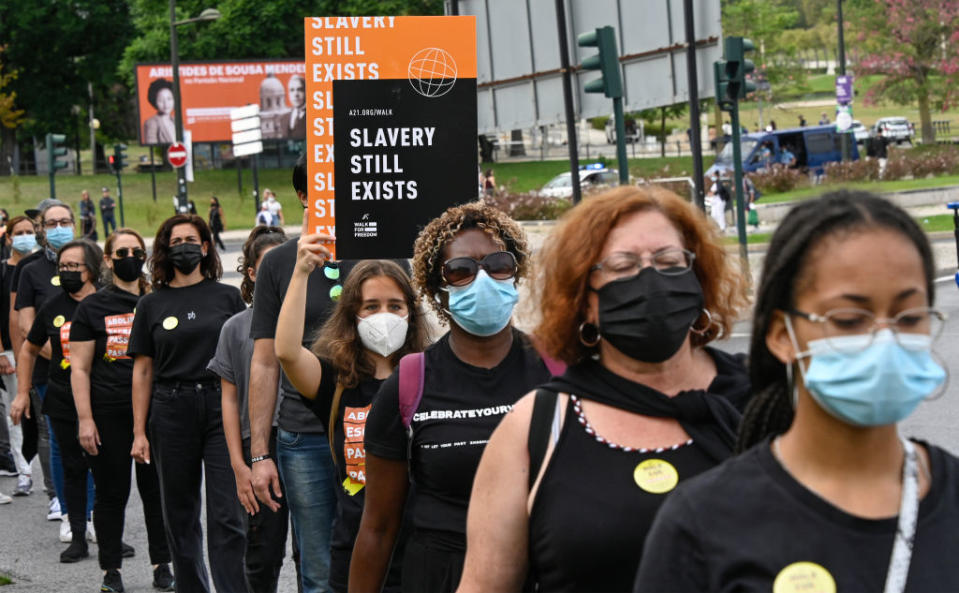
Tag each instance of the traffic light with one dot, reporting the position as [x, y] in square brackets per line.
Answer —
[737, 67]
[119, 159]
[56, 152]
[606, 61]
[722, 86]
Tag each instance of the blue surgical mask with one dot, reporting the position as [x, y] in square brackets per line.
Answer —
[484, 306]
[24, 243]
[59, 236]
[871, 385]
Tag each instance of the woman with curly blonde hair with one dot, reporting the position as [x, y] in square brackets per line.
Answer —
[634, 284]
[466, 264]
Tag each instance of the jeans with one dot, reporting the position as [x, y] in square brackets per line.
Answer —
[15, 431]
[108, 221]
[43, 438]
[188, 445]
[307, 471]
[111, 472]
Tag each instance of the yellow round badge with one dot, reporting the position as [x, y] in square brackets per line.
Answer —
[59, 320]
[170, 323]
[55, 281]
[656, 476]
[807, 577]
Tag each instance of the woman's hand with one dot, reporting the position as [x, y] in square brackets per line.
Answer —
[141, 448]
[20, 407]
[244, 488]
[88, 436]
[311, 252]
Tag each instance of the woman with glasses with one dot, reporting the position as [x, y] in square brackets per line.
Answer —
[102, 379]
[78, 265]
[430, 421]
[174, 336]
[634, 284]
[828, 495]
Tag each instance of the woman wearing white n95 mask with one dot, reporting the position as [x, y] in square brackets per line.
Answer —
[374, 324]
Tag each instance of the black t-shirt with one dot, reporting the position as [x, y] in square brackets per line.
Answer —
[34, 282]
[461, 407]
[7, 272]
[53, 323]
[179, 328]
[272, 280]
[350, 457]
[106, 318]
[741, 525]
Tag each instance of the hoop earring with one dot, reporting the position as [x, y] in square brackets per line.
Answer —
[593, 334]
[709, 323]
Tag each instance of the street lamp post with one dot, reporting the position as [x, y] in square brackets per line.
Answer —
[209, 14]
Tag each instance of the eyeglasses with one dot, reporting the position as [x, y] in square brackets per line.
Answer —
[70, 266]
[671, 261]
[52, 224]
[127, 251]
[840, 323]
[461, 271]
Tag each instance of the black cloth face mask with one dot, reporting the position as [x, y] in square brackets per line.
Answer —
[186, 257]
[71, 282]
[128, 268]
[647, 316]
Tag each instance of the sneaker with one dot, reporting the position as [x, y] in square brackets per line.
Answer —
[66, 536]
[127, 550]
[24, 486]
[91, 533]
[7, 465]
[163, 579]
[112, 583]
[53, 513]
[4, 499]
[76, 552]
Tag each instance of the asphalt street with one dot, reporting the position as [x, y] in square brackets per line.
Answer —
[29, 546]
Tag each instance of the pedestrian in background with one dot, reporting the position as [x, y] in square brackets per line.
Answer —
[841, 353]
[631, 311]
[266, 530]
[217, 221]
[274, 207]
[88, 216]
[263, 217]
[102, 381]
[107, 206]
[173, 338]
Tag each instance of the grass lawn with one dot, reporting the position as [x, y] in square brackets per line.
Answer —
[5, 580]
[873, 186]
[140, 211]
[930, 224]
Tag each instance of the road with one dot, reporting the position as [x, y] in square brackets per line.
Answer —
[29, 548]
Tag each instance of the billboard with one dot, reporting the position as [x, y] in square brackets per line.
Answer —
[519, 77]
[394, 98]
[211, 89]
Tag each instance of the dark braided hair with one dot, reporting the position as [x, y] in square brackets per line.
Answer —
[261, 238]
[770, 412]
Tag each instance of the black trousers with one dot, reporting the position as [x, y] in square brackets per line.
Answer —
[266, 538]
[75, 470]
[111, 476]
[188, 447]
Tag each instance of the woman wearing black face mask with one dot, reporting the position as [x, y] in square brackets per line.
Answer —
[174, 335]
[78, 265]
[102, 381]
[643, 405]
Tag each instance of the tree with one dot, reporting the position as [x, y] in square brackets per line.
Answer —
[764, 21]
[662, 113]
[10, 117]
[914, 44]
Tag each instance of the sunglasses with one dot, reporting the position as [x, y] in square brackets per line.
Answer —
[127, 252]
[461, 271]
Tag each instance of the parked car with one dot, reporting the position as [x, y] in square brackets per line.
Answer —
[861, 132]
[591, 177]
[894, 129]
[813, 147]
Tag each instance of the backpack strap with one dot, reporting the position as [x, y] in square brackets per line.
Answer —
[411, 376]
[540, 429]
[334, 412]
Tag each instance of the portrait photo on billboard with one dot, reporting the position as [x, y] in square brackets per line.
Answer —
[210, 90]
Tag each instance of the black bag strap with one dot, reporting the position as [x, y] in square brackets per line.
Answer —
[540, 427]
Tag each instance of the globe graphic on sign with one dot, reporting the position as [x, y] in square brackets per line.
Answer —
[432, 72]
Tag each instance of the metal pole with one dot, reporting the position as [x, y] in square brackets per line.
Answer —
[177, 104]
[256, 184]
[153, 175]
[738, 180]
[695, 137]
[568, 99]
[844, 137]
[620, 141]
[120, 199]
[93, 132]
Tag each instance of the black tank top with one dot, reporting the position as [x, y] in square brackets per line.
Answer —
[591, 516]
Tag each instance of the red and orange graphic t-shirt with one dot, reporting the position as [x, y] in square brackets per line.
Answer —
[52, 324]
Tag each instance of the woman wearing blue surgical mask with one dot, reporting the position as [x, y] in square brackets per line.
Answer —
[431, 419]
[375, 323]
[830, 496]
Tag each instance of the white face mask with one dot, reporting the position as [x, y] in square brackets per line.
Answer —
[383, 333]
